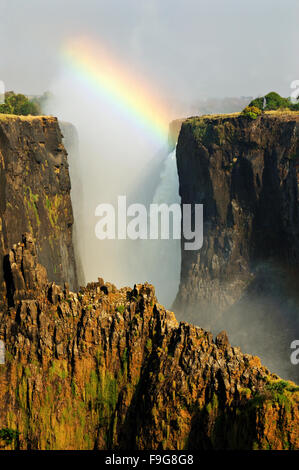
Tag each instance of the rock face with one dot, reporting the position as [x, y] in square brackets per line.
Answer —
[112, 369]
[245, 277]
[35, 194]
[24, 276]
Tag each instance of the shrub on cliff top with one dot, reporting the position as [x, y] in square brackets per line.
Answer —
[272, 102]
[18, 104]
[251, 112]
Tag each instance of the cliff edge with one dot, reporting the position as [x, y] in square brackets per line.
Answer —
[35, 194]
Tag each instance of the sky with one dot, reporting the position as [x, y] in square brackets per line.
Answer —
[188, 49]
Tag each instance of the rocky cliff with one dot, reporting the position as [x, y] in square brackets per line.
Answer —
[112, 369]
[35, 194]
[245, 277]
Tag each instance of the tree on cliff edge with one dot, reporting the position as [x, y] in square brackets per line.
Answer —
[273, 101]
[18, 104]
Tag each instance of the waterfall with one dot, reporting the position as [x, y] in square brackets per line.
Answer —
[126, 262]
[166, 254]
[168, 187]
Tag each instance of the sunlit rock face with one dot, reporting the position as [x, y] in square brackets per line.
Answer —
[35, 194]
[113, 369]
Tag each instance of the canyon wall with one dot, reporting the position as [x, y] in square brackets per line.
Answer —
[35, 194]
[112, 369]
[102, 368]
[245, 277]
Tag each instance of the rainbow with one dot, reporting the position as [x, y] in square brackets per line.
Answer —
[115, 83]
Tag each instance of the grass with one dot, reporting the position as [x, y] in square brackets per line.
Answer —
[196, 119]
[12, 117]
[276, 391]
[282, 386]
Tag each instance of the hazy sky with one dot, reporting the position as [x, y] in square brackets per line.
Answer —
[187, 48]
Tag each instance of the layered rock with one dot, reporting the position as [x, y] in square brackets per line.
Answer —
[112, 369]
[35, 194]
[245, 277]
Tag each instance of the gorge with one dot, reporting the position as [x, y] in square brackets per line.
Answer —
[99, 367]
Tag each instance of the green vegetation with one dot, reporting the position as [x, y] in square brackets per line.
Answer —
[120, 309]
[124, 363]
[19, 104]
[280, 392]
[30, 200]
[281, 386]
[213, 405]
[59, 369]
[246, 393]
[207, 131]
[149, 344]
[251, 112]
[272, 102]
[53, 209]
[8, 435]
